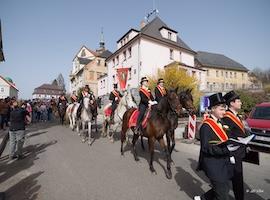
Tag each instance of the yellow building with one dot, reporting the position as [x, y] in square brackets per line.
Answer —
[222, 73]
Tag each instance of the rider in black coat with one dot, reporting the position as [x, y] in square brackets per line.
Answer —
[146, 101]
[115, 96]
[160, 90]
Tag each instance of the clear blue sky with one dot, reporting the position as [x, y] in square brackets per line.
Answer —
[41, 37]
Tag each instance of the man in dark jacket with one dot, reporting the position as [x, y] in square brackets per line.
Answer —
[236, 129]
[115, 96]
[160, 90]
[17, 130]
[215, 155]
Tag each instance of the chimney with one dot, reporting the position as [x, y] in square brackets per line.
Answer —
[142, 24]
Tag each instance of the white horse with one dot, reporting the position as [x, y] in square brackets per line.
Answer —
[86, 118]
[71, 113]
[125, 103]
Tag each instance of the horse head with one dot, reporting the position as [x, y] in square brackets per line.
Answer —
[86, 103]
[186, 100]
[127, 100]
[174, 102]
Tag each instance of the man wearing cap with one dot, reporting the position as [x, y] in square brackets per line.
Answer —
[215, 155]
[160, 90]
[85, 93]
[147, 100]
[115, 97]
[17, 130]
[236, 129]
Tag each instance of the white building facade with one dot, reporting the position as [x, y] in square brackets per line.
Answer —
[82, 58]
[146, 51]
[7, 89]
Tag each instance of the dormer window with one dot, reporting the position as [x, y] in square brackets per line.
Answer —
[168, 33]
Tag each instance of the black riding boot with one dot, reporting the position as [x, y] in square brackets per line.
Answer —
[78, 114]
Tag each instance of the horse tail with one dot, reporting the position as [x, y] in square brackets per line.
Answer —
[125, 123]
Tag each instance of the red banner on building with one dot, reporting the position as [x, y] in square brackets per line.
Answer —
[122, 74]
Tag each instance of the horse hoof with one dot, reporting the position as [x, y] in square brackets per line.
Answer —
[169, 174]
[153, 171]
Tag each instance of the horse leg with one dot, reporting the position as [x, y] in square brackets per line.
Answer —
[142, 143]
[96, 124]
[83, 132]
[134, 140]
[173, 142]
[123, 137]
[151, 143]
[164, 148]
[168, 139]
[90, 136]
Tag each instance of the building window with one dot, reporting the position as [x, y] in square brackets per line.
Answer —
[227, 85]
[180, 53]
[171, 54]
[193, 73]
[234, 74]
[169, 35]
[2, 89]
[221, 73]
[242, 76]
[216, 73]
[226, 74]
[243, 86]
[129, 52]
[125, 55]
[231, 85]
[129, 74]
[134, 71]
[113, 62]
[98, 62]
[99, 74]
[230, 74]
[207, 72]
[222, 86]
[117, 60]
[207, 84]
[113, 77]
[200, 76]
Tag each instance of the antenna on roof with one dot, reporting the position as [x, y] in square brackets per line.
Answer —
[153, 12]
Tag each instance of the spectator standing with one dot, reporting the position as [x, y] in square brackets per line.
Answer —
[17, 131]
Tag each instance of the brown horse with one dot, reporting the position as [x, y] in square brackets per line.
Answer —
[157, 126]
[186, 101]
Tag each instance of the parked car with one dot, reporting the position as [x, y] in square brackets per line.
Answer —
[258, 123]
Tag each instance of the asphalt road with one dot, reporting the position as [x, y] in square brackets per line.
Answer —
[59, 166]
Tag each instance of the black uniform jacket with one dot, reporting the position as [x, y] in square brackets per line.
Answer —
[235, 131]
[146, 96]
[159, 94]
[113, 94]
[214, 159]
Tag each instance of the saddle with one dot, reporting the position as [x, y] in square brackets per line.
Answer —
[134, 116]
[108, 111]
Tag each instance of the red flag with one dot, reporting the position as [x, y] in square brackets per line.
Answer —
[122, 74]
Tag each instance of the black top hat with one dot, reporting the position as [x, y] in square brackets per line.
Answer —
[160, 80]
[216, 99]
[115, 85]
[230, 96]
[144, 79]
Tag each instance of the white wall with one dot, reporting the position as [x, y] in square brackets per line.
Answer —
[103, 86]
[155, 56]
[6, 90]
[126, 39]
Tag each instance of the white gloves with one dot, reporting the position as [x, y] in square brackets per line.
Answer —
[231, 147]
[152, 102]
[232, 160]
[116, 98]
